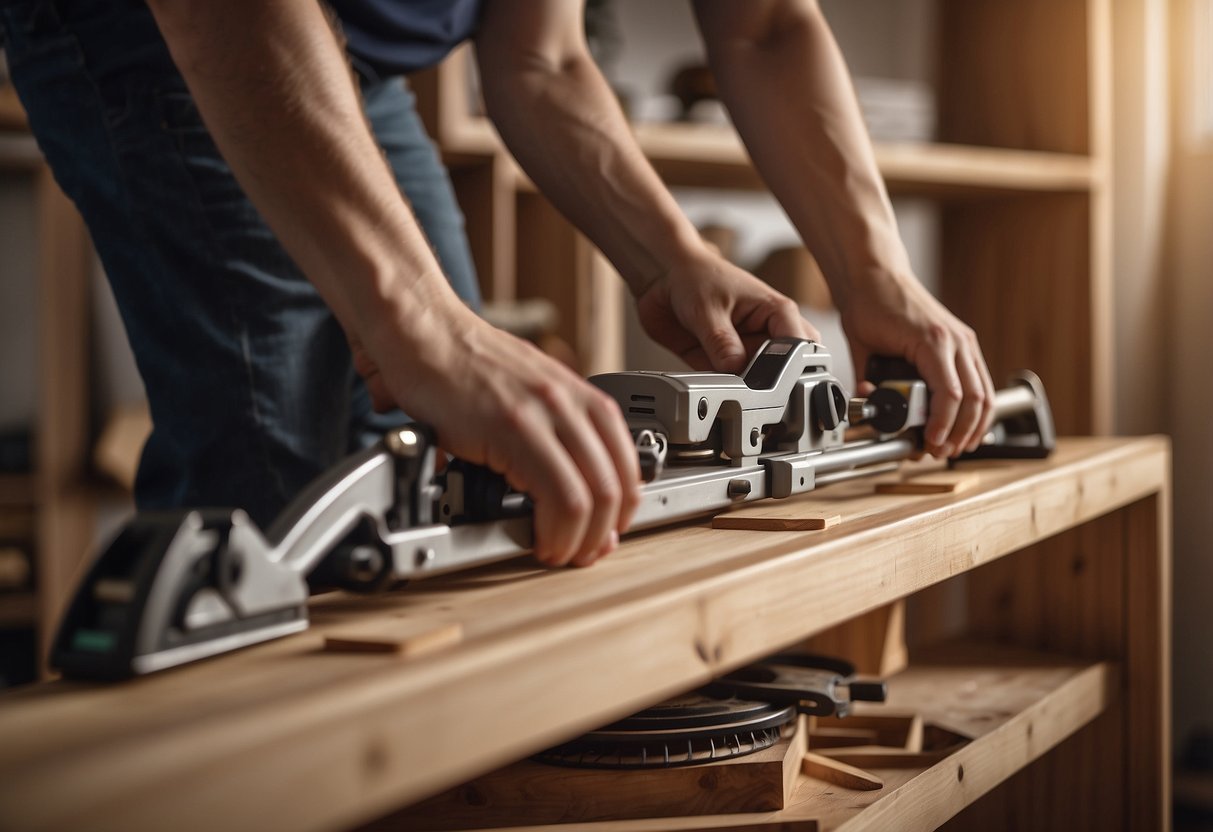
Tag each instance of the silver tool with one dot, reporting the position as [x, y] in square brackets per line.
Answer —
[174, 587]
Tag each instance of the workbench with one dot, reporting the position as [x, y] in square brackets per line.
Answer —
[1065, 564]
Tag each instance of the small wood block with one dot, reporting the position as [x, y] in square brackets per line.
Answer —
[932, 482]
[879, 756]
[840, 774]
[777, 517]
[407, 637]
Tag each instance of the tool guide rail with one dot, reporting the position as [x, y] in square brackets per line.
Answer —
[179, 586]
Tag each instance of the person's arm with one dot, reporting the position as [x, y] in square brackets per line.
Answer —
[784, 82]
[275, 90]
[559, 118]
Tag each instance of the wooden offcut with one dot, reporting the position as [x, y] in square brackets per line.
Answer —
[933, 482]
[777, 516]
[407, 637]
[839, 773]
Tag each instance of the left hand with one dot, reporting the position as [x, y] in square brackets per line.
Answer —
[714, 316]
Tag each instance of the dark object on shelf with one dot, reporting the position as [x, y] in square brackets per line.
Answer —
[692, 84]
[690, 730]
[18, 657]
[16, 451]
[746, 711]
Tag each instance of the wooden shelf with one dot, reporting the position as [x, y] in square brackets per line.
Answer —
[1014, 705]
[285, 735]
[18, 609]
[698, 155]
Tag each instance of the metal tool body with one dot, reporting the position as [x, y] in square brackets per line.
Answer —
[178, 586]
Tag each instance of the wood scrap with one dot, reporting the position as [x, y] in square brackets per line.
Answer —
[840, 774]
[409, 637]
[778, 516]
[932, 482]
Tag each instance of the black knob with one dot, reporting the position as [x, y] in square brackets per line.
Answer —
[892, 410]
[829, 404]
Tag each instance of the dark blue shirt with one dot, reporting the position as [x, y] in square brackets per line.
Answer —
[391, 37]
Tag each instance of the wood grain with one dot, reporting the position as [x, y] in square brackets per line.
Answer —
[287, 735]
[1017, 704]
[839, 773]
[407, 638]
[777, 518]
[934, 482]
[531, 792]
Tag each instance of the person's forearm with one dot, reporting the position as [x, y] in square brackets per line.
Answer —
[275, 91]
[561, 121]
[784, 82]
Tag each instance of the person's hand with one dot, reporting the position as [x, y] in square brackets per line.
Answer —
[498, 401]
[898, 317]
[714, 315]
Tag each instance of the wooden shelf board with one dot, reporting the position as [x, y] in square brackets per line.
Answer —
[17, 490]
[1015, 704]
[18, 609]
[692, 154]
[283, 734]
[696, 155]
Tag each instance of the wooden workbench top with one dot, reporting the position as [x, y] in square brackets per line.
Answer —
[287, 736]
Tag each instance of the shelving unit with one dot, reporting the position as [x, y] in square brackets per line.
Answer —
[1020, 171]
[56, 490]
[1064, 693]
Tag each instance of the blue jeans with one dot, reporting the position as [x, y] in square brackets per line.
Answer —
[248, 374]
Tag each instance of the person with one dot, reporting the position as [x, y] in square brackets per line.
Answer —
[289, 260]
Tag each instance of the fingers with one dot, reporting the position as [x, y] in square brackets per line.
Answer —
[719, 339]
[962, 393]
[936, 361]
[622, 448]
[987, 410]
[538, 464]
[787, 322]
[580, 466]
[969, 415]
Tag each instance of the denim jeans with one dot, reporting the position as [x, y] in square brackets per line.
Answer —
[248, 374]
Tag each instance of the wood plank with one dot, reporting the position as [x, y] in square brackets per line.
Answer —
[689, 154]
[777, 518]
[408, 638]
[283, 734]
[532, 792]
[933, 482]
[839, 773]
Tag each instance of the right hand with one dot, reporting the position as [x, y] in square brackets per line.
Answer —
[496, 400]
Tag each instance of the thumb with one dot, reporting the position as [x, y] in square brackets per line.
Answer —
[720, 341]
